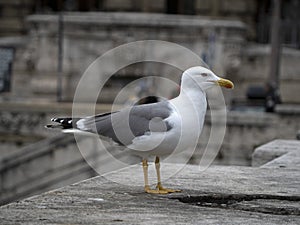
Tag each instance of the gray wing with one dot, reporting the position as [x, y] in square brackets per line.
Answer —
[125, 125]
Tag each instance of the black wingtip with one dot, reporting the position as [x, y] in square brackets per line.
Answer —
[63, 120]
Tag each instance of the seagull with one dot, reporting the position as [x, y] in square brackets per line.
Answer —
[156, 129]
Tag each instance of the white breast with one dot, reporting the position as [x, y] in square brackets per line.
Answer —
[186, 120]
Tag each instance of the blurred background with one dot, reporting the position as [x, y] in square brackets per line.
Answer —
[46, 45]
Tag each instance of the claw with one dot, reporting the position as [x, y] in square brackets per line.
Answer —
[154, 191]
[160, 190]
[168, 190]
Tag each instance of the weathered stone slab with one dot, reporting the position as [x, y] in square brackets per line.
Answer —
[219, 195]
[286, 153]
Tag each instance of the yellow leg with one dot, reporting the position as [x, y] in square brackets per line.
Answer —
[159, 185]
[159, 188]
[147, 187]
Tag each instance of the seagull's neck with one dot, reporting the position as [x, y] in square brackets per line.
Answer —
[190, 105]
[196, 95]
[192, 98]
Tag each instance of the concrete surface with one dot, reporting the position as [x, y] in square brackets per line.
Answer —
[219, 195]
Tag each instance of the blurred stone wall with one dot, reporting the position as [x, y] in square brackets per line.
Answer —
[222, 42]
[13, 15]
[87, 36]
[14, 12]
[255, 68]
[245, 131]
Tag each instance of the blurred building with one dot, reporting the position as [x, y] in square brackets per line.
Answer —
[242, 54]
[231, 36]
[254, 13]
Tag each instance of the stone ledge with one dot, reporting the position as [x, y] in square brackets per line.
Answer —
[13, 41]
[139, 19]
[277, 153]
[219, 195]
[37, 105]
[288, 109]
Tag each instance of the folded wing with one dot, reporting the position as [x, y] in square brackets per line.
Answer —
[125, 125]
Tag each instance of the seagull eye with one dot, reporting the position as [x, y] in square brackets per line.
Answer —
[204, 74]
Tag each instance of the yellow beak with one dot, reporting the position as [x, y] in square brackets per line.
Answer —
[225, 83]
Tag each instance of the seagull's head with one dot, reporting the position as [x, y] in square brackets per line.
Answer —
[200, 77]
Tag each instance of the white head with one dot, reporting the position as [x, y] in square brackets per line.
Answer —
[200, 77]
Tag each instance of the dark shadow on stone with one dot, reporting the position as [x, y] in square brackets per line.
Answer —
[269, 204]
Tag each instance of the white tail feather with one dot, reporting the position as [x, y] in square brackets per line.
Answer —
[73, 131]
